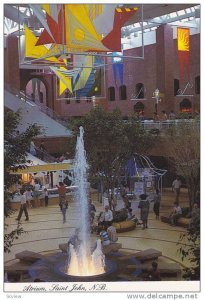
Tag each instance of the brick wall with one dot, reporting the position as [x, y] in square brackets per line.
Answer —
[11, 63]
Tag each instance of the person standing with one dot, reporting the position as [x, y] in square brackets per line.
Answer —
[164, 116]
[28, 195]
[63, 207]
[156, 200]
[42, 150]
[36, 194]
[144, 210]
[32, 148]
[61, 191]
[172, 115]
[176, 186]
[46, 196]
[23, 207]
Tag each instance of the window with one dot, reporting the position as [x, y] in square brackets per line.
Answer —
[139, 91]
[197, 85]
[176, 86]
[111, 93]
[122, 91]
[139, 107]
[185, 105]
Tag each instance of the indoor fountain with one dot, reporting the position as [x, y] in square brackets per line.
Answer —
[83, 263]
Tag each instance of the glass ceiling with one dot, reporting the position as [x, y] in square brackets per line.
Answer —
[188, 16]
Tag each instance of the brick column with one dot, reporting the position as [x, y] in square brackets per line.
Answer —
[165, 66]
[11, 62]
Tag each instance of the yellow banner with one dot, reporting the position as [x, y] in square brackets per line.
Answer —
[183, 38]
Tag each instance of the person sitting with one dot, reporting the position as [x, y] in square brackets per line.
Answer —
[175, 214]
[154, 273]
[106, 217]
[105, 241]
[132, 217]
[111, 230]
[195, 216]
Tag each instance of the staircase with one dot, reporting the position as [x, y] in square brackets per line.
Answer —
[32, 113]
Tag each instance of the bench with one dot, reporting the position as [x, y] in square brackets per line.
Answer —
[166, 269]
[182, 221]
[142, 255]
[124, 226]
[28, 256]
[114, 247]
[18, 268]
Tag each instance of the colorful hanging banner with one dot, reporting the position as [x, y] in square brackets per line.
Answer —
[117, 63]
[113, 40]
[183, 43]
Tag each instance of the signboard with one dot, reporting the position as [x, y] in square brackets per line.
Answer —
[139, 188]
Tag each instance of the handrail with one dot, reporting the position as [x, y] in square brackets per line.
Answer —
[161, 125]
[27, 99]
[43, 155]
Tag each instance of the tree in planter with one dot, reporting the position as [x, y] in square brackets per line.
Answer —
[182, 144]
[191, 251]
[110, 142]
[15, 147]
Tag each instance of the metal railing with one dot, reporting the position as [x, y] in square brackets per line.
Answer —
[43, 155]
[42, 107]
[162, 125]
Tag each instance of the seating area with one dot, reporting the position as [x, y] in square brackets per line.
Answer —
[183, 221]
[47, 235]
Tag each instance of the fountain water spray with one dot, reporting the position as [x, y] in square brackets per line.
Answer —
[82, 261]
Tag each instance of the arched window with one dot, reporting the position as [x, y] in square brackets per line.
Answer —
[176, 86]
[197, 85]
[139, 107]
[185, 105]
[123, 93]
[111, 93]
[139, 90]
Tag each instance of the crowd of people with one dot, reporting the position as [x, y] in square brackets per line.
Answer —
[162, 116]
[103, 223]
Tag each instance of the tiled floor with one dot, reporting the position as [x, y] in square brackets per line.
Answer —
[45, 230]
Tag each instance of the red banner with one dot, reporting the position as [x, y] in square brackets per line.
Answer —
[183, 43]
